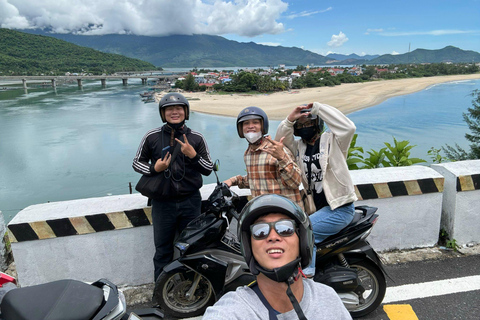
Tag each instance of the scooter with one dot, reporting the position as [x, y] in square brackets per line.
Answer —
[207, 259]
[208, 263]
[62, 300]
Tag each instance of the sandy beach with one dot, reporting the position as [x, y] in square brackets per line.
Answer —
[346, 97]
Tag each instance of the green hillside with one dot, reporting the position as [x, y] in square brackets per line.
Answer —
[24, 53]
[195, 51]
[447, 54]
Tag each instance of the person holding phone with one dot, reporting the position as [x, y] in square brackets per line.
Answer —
[180, 202]
[276, 241]
[322, 157]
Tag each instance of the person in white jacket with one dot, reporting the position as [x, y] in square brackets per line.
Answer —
[322, 159]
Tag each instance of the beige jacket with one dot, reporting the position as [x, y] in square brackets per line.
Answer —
[334, 144]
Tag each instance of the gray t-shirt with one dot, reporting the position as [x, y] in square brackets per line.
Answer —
[319, 302]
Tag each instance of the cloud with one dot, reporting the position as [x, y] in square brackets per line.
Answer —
[307, 13]
[427, 33]
[148, 17]
[337, 40]
[271, 44]
[394, 53]
[373, 30]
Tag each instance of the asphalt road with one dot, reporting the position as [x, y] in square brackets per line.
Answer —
[433, 290]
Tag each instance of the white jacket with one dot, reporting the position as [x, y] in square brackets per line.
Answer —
[334, 144]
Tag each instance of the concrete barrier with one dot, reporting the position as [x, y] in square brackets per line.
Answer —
[461, 200]
[112, 236]
[88, 239]
[4, 244]
[409, 201]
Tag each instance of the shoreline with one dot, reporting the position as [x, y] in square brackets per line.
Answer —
[347, 97]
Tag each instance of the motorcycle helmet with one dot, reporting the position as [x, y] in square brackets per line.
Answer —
[318, 122]
[252, 113]
[274, 203]
[173, 99]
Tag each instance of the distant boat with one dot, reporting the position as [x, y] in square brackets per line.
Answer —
[147, 94]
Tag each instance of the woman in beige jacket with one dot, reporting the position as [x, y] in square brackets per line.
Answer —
[322, 159]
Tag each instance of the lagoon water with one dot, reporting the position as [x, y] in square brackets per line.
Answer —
[73, 143]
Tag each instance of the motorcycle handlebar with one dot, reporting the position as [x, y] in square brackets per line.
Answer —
[232, 212]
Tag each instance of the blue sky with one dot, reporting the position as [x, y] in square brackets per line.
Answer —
[361, 27]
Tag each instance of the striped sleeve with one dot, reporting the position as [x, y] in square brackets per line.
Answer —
[141, 162]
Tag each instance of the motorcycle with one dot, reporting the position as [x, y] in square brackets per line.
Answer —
[208, 262]
[63, 300]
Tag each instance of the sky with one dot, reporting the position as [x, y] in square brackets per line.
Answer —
[345, 27]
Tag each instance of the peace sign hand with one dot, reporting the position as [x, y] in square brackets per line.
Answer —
[187, 148]
[276, 148]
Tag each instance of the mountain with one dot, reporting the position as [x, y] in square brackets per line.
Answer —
[194, 51]
[353, 56]
[27, 53]
[447, 54]
[201, 51]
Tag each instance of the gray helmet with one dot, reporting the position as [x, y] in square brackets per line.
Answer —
[252, 113]
[173, 99]
[274, 203]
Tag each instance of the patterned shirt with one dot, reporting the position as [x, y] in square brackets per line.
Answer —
[266, 174]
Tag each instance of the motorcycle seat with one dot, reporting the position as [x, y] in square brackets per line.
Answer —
[58, 300]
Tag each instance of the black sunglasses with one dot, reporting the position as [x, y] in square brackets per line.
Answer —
[284, 228]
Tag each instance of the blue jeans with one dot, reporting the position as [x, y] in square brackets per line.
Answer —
[170, 218]
[326, 222]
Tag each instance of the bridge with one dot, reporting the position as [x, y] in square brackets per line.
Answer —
[124, 76]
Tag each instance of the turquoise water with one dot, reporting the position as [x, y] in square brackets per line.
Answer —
[77, 143]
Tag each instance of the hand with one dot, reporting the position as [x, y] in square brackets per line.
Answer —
[228, 182]
[162, 164]
[276, 149]
[297, 112]
[187, 148]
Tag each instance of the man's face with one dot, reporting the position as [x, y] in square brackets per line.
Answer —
[175, 114]
[275, 251]
[252, 125]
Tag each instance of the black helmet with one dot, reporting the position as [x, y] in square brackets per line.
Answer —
[312, 117]
[252, 113]
[173, 99]
[274, 203]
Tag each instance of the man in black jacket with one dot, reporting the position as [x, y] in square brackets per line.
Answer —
[180, 201]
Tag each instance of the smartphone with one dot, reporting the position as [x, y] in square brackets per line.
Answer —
[165, 150]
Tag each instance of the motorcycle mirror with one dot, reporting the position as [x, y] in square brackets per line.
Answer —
[216, 167]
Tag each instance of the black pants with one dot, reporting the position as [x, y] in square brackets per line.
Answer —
[170, 217]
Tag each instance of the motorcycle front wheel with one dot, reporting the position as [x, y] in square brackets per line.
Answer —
[373, 281]
[183, 293]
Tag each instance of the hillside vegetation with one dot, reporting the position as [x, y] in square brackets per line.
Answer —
[447, 54]
[182, 51]
[28, 54]
[215, 51]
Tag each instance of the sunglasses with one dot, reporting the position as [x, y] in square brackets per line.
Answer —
[284, 228]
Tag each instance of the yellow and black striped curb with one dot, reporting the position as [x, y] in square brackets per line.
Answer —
[399, 188]
[79, 225]
[468, 183]
[64, 227]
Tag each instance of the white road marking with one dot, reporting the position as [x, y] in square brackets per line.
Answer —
[431, 289]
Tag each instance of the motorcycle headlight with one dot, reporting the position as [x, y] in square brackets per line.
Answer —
[182, 247]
